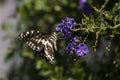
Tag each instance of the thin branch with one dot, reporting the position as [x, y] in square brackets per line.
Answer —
[96, 41]
[114, 27]
[104, 5]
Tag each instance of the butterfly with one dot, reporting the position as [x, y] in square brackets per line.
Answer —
[41, 42]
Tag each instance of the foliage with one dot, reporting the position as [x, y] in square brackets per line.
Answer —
[100, 31]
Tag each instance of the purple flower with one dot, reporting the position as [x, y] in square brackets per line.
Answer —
[70, 48]
[74, 39]
[82, 49]
[72, 44]
[66, 33]
[66, 26]
[86, 8]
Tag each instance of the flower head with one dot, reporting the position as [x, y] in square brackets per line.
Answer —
[72, 44]
[66, 26]
[86, 8]
[82, 49]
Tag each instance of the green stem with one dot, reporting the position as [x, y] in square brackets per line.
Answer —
[96, 41]
[114, 27]
[104, 5]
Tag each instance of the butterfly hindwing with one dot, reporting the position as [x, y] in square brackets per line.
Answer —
[49, 51]
[39, 41]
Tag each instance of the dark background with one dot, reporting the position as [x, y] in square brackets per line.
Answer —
[45, 15]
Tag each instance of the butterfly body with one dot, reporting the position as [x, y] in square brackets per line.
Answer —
[40, 41]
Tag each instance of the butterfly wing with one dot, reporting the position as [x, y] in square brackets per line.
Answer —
[39, 41]
[32, 39]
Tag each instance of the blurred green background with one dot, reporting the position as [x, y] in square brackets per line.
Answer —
[45, 15]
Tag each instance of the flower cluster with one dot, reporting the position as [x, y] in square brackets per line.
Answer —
[86, 8]
[66, 26]
[80, 49]
[72, 44]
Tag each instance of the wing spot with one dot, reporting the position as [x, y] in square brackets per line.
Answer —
[43, 41]
[29, 43]
[38, 48]
[34, 47]
[37, 36]
[39, 41]
[38, 31]
[36, 40]
[27, 32]
[21, 35]
[32, 31]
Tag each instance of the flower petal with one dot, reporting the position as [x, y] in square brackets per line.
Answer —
[82, 49]
[66, 26]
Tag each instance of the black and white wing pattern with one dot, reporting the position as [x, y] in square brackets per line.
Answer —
[40, 41]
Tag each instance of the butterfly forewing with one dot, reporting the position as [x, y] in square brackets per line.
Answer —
[41, 41]
[30, 34]
[31, 38]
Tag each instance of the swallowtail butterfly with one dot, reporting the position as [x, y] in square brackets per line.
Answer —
[40, 41]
